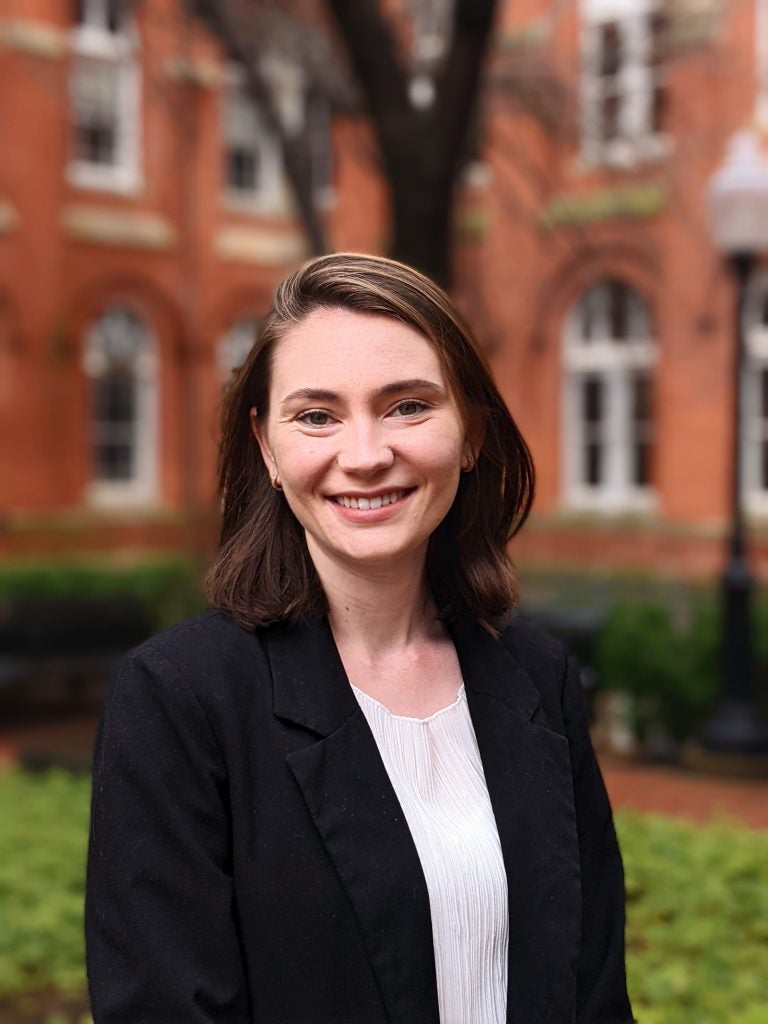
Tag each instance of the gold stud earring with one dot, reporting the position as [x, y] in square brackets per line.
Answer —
[468, 463]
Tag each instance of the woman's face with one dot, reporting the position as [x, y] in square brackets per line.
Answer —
[365, 437]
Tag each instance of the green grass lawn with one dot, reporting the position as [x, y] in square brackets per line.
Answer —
[697, 904]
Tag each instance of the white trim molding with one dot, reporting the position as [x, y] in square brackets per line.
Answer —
[259, 246]
[36, 38]
[103, 225]
[9, 217]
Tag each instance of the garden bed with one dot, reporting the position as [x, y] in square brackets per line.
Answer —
[697, 902]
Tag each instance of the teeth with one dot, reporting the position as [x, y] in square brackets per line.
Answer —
[369, 503]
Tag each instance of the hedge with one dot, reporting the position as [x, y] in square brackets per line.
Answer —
[697, 902]
[670, 664]
[168, 587]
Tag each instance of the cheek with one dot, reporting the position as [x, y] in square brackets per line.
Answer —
[301, 464]
[443, 454]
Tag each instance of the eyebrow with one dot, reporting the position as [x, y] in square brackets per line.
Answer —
[395, 388]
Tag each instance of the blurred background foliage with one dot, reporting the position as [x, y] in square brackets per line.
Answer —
[657, 645]
[166, 588]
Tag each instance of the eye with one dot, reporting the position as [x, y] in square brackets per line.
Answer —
[410, 407]
[314, 418]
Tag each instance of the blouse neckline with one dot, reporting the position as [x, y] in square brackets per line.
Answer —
[460, 698]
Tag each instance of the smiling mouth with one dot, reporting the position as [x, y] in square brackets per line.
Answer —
[377, 501]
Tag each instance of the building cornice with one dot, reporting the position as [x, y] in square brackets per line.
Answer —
[257, 245]
[185, 71]
[103, 225]
[33, 37]
[9, 218]
[571, 209]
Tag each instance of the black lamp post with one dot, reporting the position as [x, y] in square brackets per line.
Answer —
[738, 204]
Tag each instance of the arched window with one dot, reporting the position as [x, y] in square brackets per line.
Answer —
[608, 358]
[755, 411]
[120, 362]
[235, 345]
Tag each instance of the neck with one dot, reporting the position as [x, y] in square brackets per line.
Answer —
[378, 609]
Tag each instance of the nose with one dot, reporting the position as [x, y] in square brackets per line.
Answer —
[364, 449]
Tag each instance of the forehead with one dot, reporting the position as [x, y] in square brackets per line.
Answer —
[342, 349]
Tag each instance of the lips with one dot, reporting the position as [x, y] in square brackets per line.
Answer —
[373, 502]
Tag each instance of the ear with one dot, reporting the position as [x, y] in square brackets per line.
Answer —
[258, 429]
[475, 434]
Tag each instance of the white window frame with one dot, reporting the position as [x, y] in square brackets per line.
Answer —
[615, 363]
[142, 488]
[92, 43]
[754, 424]
[234, 346]
[271, 194]
[637, 79]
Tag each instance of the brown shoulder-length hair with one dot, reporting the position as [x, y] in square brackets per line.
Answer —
[263, 572]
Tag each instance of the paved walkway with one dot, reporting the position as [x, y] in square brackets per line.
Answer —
[679, 793]
[674, 792]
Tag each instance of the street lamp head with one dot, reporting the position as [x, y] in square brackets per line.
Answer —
[738, 198]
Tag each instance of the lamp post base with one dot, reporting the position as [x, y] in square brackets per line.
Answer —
[735, 728]
[734, 766]
[733, 742]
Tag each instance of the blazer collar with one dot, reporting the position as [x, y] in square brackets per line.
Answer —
[528, 773]
[356, 812]
[310, 686]
[321, 699]
[358, 817]
[488, 668]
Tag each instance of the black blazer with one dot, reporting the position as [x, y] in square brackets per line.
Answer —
[250, 864]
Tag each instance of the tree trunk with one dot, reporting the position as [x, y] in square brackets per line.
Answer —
[421, 149]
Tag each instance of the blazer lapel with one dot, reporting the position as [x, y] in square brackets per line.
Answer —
[349, 795]
[527, 769]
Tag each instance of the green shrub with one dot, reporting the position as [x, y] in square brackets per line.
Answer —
[671, 670]
[169, 588]
[668, 671]
[697, 905]
[697, 921]
[42, 862]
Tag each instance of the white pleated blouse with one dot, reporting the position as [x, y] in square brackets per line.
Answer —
[435, 769]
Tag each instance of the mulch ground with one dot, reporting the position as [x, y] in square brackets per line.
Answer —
[672, 791]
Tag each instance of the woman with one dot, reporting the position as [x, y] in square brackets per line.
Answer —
[359, 790]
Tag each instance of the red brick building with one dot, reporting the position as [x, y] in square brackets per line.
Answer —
[617, 316]
[144, 220]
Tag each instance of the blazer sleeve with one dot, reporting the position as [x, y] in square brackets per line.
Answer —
[601, 976]
[160, 920]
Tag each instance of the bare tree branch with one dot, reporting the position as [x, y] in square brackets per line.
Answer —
[229, 21]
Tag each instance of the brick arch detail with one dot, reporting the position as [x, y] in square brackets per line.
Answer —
[587, 266]
[158, 310]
